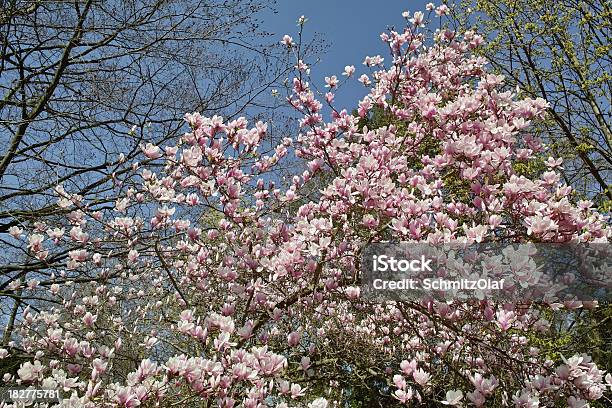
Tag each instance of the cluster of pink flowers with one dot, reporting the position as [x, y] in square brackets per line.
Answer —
[242, 290]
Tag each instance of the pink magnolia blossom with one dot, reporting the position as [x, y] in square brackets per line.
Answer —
[453, 397]
[15, 231]
[287, 40]
[349, 70]
[151, 151]
[331, 82]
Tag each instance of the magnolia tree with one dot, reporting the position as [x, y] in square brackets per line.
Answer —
[211, 283]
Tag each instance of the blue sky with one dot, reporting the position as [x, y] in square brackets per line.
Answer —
[351, 28]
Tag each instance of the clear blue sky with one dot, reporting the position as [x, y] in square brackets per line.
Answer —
[351, 28]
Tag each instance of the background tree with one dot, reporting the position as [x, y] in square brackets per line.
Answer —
[82, 80]
[559, 51]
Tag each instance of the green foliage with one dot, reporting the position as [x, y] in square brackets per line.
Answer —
[558, 50]
[594, 330]
[530, 168]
